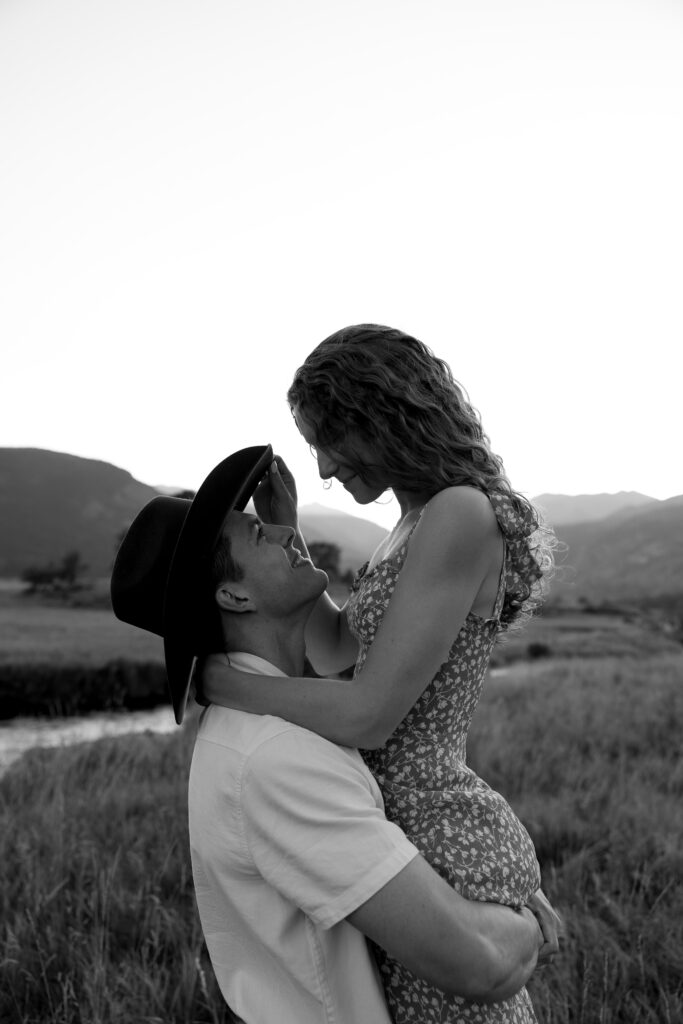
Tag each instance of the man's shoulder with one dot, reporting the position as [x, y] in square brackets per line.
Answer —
[239, 730]
[267, 741]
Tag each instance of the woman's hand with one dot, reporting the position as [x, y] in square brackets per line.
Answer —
[550, 924]
[275, 498]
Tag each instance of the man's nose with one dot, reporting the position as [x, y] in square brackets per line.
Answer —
[283, 535]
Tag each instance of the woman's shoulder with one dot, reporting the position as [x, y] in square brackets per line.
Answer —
[461, 504]
[457, 516]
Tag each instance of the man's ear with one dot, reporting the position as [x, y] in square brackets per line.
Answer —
[231, 597]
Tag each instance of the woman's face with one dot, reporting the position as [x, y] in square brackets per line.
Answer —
[334, 462]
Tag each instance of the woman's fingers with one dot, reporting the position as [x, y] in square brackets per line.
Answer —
[283, 476]
[283, 499]
[275, 496]
[262, 498]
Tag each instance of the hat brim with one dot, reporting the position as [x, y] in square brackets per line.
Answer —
[228, 487]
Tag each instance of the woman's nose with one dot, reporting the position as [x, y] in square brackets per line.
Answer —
[327, 467]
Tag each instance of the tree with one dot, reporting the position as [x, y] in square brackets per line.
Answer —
[326, 556]
[62, 580]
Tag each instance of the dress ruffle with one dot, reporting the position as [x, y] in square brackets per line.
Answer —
[518, 522]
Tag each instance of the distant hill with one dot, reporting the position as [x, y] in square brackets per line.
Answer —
[356, 537]
[561, 509]
[633, 555]
[52, 503]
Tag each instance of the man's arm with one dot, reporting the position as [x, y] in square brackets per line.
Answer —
[317, 834]
[481, 951]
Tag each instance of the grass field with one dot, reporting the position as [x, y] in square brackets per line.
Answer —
[97, 910]
[589, 754]
[35, 631]
[57, 660]
[565, 633]
[98, 923]
[97, 916]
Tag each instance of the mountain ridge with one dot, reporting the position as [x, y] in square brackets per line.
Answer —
[53, 502]
[561, 509]
[631, 555]
[629, 548]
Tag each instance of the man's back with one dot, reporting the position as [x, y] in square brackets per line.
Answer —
[288, 836]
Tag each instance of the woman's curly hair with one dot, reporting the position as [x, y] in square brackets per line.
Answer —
[387, 389]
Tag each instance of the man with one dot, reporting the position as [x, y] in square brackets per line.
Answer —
[293, 860]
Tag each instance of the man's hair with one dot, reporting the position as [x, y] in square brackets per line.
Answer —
[223, 565]
[218, 567]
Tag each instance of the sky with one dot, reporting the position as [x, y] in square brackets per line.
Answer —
[194, 193]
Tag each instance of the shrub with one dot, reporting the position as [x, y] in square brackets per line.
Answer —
[46, 689]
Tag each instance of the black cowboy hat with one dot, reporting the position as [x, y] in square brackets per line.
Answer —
[159, 580]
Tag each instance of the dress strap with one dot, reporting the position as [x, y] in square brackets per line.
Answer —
[417, 520]
[500, 596]
[399, 555]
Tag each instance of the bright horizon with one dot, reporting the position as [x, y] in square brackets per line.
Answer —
[194, 195]
[384, 512]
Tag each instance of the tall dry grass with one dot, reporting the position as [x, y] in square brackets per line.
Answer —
[589, 753]
[97, 912]
[97, 917]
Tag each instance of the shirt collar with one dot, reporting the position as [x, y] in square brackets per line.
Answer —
[253, 663]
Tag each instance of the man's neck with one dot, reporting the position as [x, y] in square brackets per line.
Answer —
[282, 645]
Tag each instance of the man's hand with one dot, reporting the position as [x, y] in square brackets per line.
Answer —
[478, 950]
[550, 924]
[275, 498]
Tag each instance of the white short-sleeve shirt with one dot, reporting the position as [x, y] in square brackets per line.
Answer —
[288, 836]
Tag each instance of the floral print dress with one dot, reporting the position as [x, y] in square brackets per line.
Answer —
[462, 827]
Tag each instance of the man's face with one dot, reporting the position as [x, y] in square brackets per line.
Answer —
[277, 580]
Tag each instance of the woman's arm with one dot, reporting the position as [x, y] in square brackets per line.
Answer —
[453, 548]
[330, 647]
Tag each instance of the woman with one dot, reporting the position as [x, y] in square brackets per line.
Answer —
[466, 560]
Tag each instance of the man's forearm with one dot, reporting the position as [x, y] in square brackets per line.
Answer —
[482, 951]
[499, 945]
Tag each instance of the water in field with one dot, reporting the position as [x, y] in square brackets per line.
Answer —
[17, 735]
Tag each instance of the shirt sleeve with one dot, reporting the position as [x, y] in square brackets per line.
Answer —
[314, 827]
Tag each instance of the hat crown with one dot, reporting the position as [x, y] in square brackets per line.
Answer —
[158, 577]
[140, 574]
